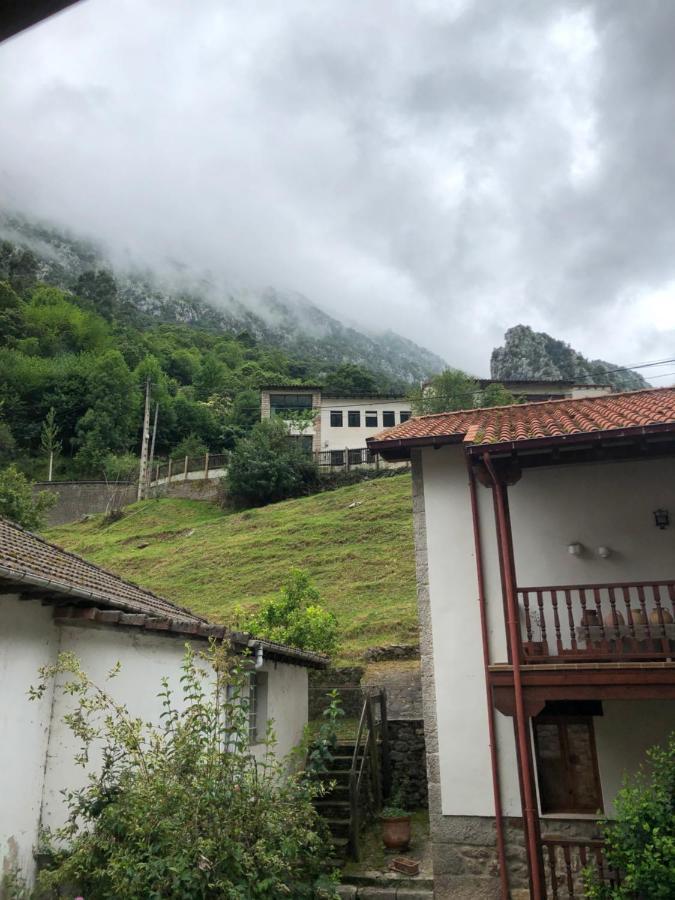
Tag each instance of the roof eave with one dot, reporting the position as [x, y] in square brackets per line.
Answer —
[564, 440]
[399, 448]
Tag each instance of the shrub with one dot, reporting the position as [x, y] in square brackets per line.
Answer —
[184, 810]
[267, 466]
[640, 840]
[295, 617]
[18, 503]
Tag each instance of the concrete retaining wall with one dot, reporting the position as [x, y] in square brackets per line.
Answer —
[82, 498]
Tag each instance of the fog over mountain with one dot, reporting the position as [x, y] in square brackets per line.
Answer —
[439, 169]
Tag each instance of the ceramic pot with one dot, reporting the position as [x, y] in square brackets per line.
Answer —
[608, 619]
[655, 620]
[396, 832]
[639, 618]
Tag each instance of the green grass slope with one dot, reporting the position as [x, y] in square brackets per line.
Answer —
[356, 543]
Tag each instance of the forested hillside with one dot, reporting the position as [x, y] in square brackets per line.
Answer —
[86, 350]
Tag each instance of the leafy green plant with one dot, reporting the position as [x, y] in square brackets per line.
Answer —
[640, 840]
[394, 808]
[323, 748]
[184, 811]
[296, 617]
[19, 503]
[13, 885]
[267, 466]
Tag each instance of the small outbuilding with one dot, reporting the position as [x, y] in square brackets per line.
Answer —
[53, 601]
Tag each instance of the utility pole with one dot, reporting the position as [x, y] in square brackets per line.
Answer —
[152, 450]
[144, 442]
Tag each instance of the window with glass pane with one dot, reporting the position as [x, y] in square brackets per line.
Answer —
[405, 415]
[284, 403]
[388, 419]
[567, 766]
[371, 420]
[354, 418]
[336, 418]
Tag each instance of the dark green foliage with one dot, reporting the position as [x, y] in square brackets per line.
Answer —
[453, 389]
[18, 503]
[100, 287]
[295, 617]
[267, 466]
[640, 840]
[184, 810]
[323, 749]
[350, 380]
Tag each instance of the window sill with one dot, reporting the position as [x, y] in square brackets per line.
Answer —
[582, 817]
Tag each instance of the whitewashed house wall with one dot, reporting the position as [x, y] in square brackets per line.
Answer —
[37, 749]
[597, 505]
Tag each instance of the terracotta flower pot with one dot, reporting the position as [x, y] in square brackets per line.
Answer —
[639, 618]
[396, 832]
[655, 620]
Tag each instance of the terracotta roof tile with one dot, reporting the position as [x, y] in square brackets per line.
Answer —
[532, 421]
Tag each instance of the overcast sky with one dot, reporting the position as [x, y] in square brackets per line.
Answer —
[442, 167]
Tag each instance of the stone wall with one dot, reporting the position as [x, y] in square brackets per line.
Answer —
[409, 762]
[81, 498]
[346, 680]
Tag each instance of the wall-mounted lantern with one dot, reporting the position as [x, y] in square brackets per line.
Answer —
[575, 548]
[604, 552]
[661, 518]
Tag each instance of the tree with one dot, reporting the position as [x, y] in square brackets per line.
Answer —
[49, 439]
[448, 391]
[111, 421]
[268, 465]
[351, 380]
[640, 839]
[496, 395]
[211, 377]
[100, 288]
[19, 503]
[296, 617]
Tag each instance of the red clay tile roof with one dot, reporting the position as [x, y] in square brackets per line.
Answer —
[552, 419]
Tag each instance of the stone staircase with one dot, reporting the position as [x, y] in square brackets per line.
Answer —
[334, 806]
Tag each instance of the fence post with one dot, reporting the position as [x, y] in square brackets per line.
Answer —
[206, 466]
[185, 468]
[371, 746]
[377, 461]
[168, 474]
[346, 459]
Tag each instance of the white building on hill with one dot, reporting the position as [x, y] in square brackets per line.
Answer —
[339, 426]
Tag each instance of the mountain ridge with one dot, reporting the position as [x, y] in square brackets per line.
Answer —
[283, 319]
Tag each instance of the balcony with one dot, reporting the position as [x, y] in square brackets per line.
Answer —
[588, 623]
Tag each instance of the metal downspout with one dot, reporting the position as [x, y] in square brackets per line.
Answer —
[492, 738]
[514, 639]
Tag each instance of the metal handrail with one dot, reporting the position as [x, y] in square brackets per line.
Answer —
[379, 774]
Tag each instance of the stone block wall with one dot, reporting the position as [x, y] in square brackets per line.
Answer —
[347, 681]
[409, 762]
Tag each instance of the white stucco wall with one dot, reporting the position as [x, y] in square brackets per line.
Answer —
[37, 749]
[28, 639]
[340, 438]
[597, 505]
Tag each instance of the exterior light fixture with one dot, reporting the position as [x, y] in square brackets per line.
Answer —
[604, 552]
[575, 548]
[661, 518]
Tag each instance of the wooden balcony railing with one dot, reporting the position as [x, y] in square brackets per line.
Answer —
[564, 862]
[598, 622]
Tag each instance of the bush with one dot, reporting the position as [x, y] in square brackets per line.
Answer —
[18, 503]
[267, 466]
[295, 617]
[184, 810]
[640, 840]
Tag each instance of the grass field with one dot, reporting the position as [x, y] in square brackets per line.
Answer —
[356, 543]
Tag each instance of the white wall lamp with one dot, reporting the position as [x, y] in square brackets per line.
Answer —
[575, 548]
[604, 552]
[661, 518]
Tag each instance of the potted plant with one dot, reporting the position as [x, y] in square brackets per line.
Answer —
[395, 824]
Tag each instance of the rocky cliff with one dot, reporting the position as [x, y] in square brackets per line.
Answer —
[535, 355]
